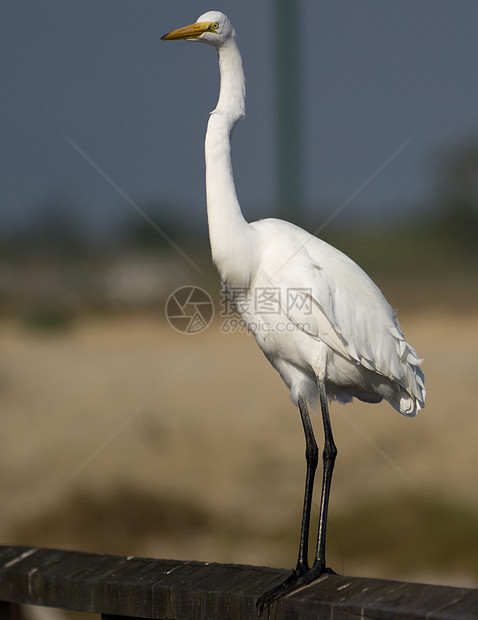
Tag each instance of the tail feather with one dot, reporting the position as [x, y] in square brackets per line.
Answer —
[410, 399]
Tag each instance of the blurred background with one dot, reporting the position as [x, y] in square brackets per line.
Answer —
[123, 435]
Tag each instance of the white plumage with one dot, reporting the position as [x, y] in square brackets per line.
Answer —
[316, 315]
[343, 329]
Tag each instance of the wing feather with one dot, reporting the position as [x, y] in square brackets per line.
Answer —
[347, 310]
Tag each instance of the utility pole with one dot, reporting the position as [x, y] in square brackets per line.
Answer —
[288, 111]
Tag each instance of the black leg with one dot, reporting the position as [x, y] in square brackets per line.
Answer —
[303, 575]
[312, 457]
[329, 454]
[299, 575]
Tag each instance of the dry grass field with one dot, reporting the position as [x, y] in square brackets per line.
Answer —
[121, 435]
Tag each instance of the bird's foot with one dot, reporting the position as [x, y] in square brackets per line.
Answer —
[293, 581]
[299, 577]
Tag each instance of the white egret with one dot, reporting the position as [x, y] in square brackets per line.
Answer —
[318, 318]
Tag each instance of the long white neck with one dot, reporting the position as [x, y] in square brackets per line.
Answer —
[229, 232]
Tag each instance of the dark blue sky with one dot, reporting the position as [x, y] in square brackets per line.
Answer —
[96, 73]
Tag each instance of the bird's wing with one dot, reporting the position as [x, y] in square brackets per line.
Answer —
[339, 303]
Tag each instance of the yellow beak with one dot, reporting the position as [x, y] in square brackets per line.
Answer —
[194, 31]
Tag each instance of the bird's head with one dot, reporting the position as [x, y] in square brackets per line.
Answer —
[212, 27]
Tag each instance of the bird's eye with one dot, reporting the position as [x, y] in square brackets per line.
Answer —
[214, 26]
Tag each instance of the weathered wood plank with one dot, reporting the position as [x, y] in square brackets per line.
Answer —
[171, 590]
[131, 586]
[375, 599]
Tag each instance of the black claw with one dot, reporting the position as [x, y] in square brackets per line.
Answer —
[295, 580]
[273, 595]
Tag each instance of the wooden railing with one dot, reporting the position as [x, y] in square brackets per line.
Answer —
[133, 587]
